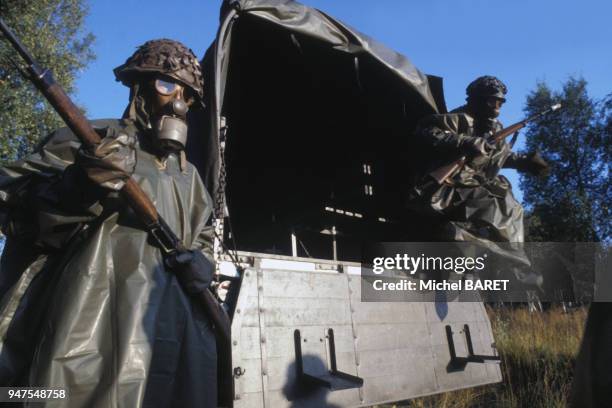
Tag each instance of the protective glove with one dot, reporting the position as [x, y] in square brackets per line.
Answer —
[192, 269]
[532, 163]
[111, 162]
[475, 146]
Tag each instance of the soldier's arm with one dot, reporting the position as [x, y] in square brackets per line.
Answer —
[441, 133]
[194, 267]
[434, 131]
[201, 211]
[32, 194]
[532, 163]
[46, 198]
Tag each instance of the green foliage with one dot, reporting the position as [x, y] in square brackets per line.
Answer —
[52, 30]
[572, 204]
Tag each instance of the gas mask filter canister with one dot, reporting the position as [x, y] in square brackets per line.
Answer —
[171, 127]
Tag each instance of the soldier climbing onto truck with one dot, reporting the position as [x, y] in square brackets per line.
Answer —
[473, 203]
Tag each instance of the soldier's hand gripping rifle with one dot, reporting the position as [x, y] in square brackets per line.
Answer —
[441, 174]
[136, 198]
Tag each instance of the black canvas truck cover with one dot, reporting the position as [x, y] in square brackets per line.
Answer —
[317, 119]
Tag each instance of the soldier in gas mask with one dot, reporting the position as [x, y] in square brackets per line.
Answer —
[476, 204]
[88, 302]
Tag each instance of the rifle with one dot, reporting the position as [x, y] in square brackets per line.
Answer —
[440, 175]
[136, 198]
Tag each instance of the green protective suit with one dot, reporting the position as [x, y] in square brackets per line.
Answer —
[476, 204]
[87, 303]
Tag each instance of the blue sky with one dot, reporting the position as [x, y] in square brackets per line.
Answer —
[519, 41]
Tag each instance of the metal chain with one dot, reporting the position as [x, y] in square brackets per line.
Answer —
[219, 202]
[220, 208]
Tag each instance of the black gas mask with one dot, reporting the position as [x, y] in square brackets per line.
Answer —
[486, 107]
[485, 96]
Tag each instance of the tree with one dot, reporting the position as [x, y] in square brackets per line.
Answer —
[53, 32]
[572, 204]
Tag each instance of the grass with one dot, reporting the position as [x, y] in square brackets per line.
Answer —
[538, 351]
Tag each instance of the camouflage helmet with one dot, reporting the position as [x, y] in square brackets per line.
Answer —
[166, 57]
[487, 86]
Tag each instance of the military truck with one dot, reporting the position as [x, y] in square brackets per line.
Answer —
[307, 153]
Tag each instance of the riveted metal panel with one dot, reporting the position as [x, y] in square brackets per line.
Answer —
[399, 349]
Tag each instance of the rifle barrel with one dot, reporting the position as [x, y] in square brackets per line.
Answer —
[16, 43]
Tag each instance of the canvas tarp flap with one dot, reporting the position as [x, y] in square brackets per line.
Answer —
[295, 18]
[298, 18]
